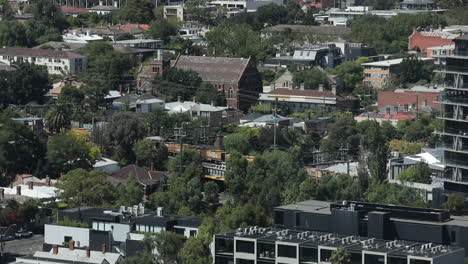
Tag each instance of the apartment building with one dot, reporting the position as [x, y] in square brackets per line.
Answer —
[377, 73]
[56, 61]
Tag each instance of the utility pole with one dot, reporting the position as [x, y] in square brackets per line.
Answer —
[275, 109]
[417, 107]
[180, 134]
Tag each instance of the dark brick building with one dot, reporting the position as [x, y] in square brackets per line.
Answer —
[238, 78]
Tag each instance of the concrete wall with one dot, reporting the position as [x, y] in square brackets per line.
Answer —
[55, 235]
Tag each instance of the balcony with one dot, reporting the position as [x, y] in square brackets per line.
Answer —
[457, 163]
[452, 133]
[453, 70]
[449, 147]
[453, 54]
[453, 101]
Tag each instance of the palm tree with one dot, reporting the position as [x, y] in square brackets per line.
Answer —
[58, 118]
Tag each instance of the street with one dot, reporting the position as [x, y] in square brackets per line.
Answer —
[21, 247]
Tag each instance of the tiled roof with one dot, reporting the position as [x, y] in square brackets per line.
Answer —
[306, 92]
[143, 176]
[47, 53]
[71, 9]
[215, 69]
[386, 99]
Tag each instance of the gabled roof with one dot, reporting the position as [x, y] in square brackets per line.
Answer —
[305, 92]
[143, 175]
[214, 69]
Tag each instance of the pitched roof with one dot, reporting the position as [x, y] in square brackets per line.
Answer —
[217, 69]
[47, 53]
[306, 92]
[71, 9]
[143, 176]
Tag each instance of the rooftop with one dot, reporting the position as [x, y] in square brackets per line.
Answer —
[79, 255]
[327, 30]
[44, 53]
[220, 69]
[390, 62]
[305, 92]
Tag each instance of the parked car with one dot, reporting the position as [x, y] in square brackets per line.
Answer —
[23, 234]
[6, 238]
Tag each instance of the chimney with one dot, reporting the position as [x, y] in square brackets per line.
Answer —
[71, 245]
[320, 87]
[2, 193]
[48, 181]
[334, 89]
[18, 190]
[160, 212]
[178, 98]
[55, 249]
[88, 252]
[219, 142]
[194, 99]
[301, 87]
[103, 248]
[160, 55]
[31, 185]
[212, 103]
[152, 166]
[100, 2]
[116, 4]
[424, 102]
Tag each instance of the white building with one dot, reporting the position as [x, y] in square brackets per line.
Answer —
[71, 255]
[249, 5]
[56, 61]
[74, 37]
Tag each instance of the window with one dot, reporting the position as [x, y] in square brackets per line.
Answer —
[230, 93]
[287, 251]
[245, 261]
[193, 233]
[102, 226]
[245, 246]
[224, 246]
[179, 231]
[377, 259]
[453, 236]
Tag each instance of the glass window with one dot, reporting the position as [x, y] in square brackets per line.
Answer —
[308, 254]
[287, 251]
[224, 245]
[374, 259]
[245, 246]
[325, 254]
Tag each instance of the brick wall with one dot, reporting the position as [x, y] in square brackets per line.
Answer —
[385, 99]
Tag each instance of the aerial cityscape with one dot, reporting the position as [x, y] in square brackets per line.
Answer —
[234, 131]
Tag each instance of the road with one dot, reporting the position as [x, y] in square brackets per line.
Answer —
[21, 247]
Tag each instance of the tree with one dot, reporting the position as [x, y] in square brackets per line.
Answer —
[311, 79]
[83, 188]
[28, 82]
[211, 190]
[122, 132]
[162, 28]
[21, 151]
[390, 193]
[236, 142]
[406, 148]
[131, 193]
[340, 256]
[308, 189]
[149, 152]
[272, 14]
[245, 215]
[342, 132]
[235, 175]
[455, 4]
[208, 94]
[168, 245]
[375, 149]
[418, 173]
[137, 11]
[65, 152]
[352, 73]
[195, 252]
[47, 24]
[57, 119]
[412, 70]
[177, 82]
[107, 68]
[455, 203]
[13, 34]
[237, 41]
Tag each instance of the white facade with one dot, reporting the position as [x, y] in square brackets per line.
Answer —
[245, 4]
[57, 235]
[55, 64]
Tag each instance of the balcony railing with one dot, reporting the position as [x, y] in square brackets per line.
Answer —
[453, 132]
[450, 147]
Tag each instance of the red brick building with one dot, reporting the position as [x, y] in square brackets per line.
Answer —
[421, 40]
[238, 78]
[319, 4]
[408, 98]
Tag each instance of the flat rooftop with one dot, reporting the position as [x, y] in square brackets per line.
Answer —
[309, 206]
[390, 62]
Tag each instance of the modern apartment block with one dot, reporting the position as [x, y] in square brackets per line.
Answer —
[309, 231]
[454, 101]
[271, 245]
[56, 61]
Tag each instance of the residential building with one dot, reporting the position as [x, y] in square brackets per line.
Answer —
[146, 74]
[268, 120]
[73, 11]
[23, 192]
[454, 105]
[310, 231]
[380, 221]
[319, 4]
[56, 61]
[213, 114]
[71, 255]
[144, 103]
[248, 5]
[438, 52]
[421, 40]
[325, 56]
[410, 99]
[107, 165]
[430, 156]
[334, 32]
[141, 43]
[381, 117]
[306, 99]
[36, 124]
[175, 11]
[118, 230]
[377, 73]
[102, 9]
[58, 86]
[237, 78]
[418, 5]
[74, 37]
[353, 51]
[150, 179]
